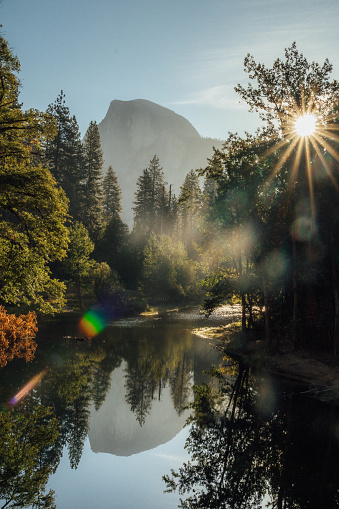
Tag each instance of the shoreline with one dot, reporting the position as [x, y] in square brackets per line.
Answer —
[317, 373]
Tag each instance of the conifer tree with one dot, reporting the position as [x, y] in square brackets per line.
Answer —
[93, 163]
[151, 199]
[190, 201]
[63, 155]
[111, 196]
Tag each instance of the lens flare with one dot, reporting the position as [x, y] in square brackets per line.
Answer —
[27, 388]
[305, 125]
[92, 323]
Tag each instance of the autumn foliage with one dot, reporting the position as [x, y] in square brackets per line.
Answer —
[17, 336]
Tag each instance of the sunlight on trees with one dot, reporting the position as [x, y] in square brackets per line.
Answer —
[167, 273]
[33, 210]
[281, 183]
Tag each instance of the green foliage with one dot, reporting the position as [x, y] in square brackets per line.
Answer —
[151, 200]
[63, 154]
[78, 263]
[23, 476]
[112, 247]
[21, 132]
[167, 273]
[189, 210]
[93, 163]
[265, 206]
[32, 209]
[111, 196]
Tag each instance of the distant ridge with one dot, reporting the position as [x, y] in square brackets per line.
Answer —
[132, 132]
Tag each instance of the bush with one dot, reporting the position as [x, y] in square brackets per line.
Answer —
[17, 336]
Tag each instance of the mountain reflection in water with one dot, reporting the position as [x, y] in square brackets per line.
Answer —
[126, 392]
[104, 425]
[116, 430]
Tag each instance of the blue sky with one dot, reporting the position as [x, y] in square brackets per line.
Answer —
[186, 55]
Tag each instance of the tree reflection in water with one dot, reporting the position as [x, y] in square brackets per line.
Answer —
[55, 416]
[253, 446]
[25, 440]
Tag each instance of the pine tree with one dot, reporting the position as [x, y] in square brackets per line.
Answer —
[151, 199]
[93, 163]
[111, 196]
[190, 201]
[63, 155]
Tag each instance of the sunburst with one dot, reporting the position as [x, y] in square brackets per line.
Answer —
[307, 133]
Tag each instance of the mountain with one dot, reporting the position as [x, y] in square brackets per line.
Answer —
[132, 132]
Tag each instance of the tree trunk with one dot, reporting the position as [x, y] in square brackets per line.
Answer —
[266, 312]
[335, 297]
[243, 312]
[295, 295]
[78, 286]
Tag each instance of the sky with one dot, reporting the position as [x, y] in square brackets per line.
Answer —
[186, 55]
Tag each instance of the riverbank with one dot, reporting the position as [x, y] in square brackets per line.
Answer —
[316, 372]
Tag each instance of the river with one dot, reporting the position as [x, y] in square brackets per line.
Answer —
[103, 421]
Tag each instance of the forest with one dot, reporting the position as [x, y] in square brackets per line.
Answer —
[257, 226]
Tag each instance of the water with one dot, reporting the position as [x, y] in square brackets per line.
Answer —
[119, 404]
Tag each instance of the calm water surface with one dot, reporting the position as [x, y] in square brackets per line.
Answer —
[119, 404]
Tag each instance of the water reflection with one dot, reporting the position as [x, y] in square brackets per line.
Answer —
[127, 390]
[251, 442]
[253, 445]
[115, 429]
[26, 439]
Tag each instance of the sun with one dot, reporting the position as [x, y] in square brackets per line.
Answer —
[305, 125]
[308, 138]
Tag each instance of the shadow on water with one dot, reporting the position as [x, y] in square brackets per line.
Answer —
[254, 443]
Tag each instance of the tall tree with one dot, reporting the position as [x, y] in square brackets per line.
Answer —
[78, 262]
[111, 196]
[232, 218]
[190, 202]
[32, 208]
[291, 90]
[64, 155]
[93, 163]
[151, 199]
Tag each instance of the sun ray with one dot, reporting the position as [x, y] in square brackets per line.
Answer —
[309, 175]
[282, 161]
[324, 163]
[329, 135]
[295, 166]
[274, 148]
[305, 146]
[327, 146]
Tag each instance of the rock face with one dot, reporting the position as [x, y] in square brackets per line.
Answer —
[132, 132]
